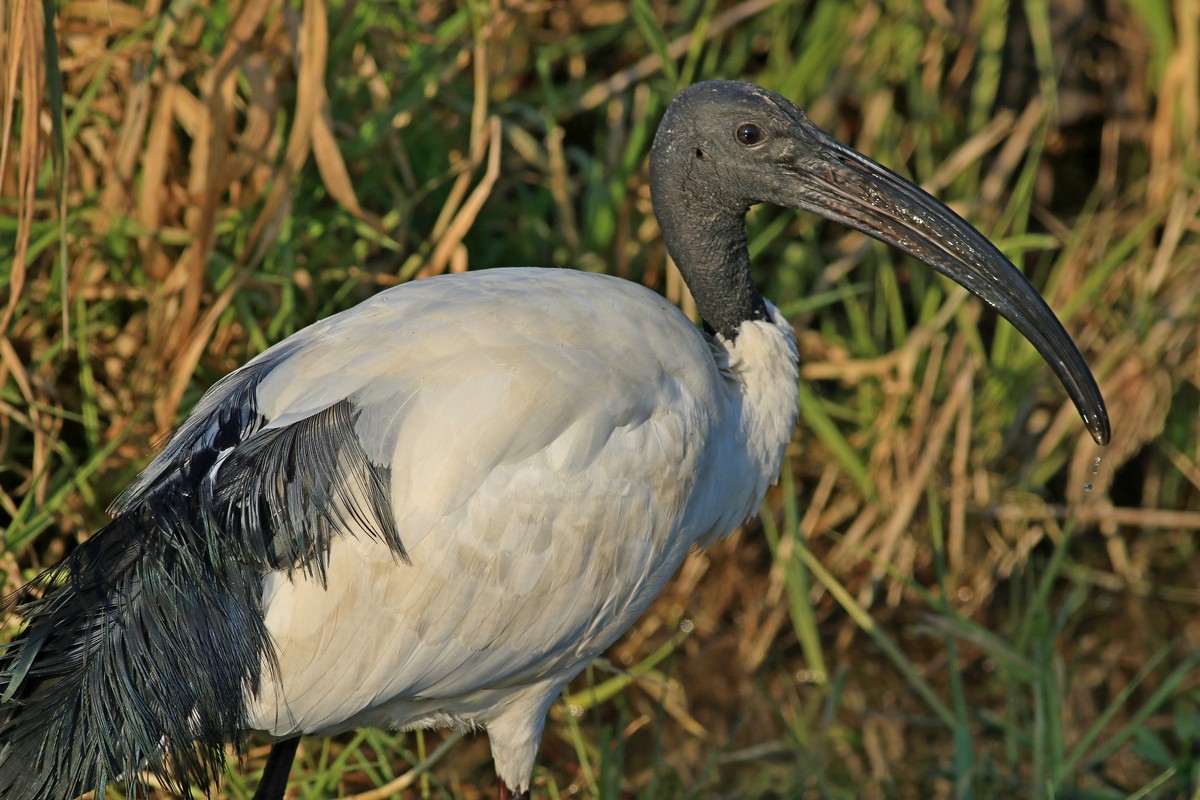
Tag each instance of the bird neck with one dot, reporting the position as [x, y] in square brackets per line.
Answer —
[710, 250]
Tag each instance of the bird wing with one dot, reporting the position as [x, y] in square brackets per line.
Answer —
[538, 437]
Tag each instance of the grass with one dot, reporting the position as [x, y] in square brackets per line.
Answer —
[933, 604]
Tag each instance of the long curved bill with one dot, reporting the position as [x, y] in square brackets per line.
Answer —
[841, 184]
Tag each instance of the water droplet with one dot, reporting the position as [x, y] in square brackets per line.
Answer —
[1087, 487]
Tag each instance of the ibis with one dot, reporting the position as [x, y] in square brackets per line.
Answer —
[436, 508]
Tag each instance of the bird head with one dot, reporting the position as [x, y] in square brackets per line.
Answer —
[724, 146]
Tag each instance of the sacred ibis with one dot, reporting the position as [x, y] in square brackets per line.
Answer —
[436, 508]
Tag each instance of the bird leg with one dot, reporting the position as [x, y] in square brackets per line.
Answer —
[507, 793]
[275, 774]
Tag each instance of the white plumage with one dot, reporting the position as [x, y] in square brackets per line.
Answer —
[536, 423]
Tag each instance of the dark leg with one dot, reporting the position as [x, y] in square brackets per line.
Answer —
[275, 774]
[506, 793]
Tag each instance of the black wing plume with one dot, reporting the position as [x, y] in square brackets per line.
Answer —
[145, 643]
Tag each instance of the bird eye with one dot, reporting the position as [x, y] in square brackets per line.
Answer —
[749, 134]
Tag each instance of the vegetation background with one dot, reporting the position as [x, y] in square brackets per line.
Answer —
[952, 592]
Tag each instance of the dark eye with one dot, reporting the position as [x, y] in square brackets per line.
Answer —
[749, 134]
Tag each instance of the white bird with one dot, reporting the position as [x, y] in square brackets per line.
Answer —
[436, 508]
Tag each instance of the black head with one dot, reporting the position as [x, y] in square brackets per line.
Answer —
[724, 146]
[734, 141]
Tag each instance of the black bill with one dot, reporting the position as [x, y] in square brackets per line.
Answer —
[841, 184]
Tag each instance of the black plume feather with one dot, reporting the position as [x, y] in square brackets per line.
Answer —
[148, 640]
[140, 645]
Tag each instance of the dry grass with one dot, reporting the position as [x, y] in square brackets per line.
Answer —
[936, 605]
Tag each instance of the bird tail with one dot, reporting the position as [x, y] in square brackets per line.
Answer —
[138, 654]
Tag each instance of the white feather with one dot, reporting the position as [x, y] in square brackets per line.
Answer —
[558, 441]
